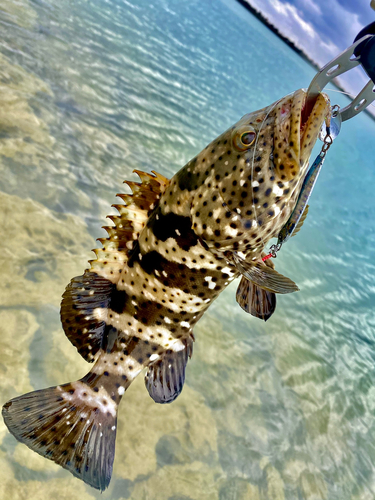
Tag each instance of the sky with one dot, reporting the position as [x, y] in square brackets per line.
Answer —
[321, 28]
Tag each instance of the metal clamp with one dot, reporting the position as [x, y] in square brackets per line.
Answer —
[347, 60]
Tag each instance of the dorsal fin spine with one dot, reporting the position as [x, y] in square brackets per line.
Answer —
[126, 198]
[134, 186]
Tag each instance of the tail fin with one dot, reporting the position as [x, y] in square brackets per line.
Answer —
[70, 426]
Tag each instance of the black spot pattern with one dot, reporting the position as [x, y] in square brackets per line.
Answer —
[118, 300]
[189, 180]
[174, 226]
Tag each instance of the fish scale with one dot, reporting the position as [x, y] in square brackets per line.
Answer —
[174, 247]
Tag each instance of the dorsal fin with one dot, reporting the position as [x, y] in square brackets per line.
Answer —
[87, 294]
[134, 213]
[301, 221]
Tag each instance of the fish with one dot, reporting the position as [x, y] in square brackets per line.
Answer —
[174, 246]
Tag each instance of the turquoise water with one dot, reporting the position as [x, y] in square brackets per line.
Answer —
[89, 91]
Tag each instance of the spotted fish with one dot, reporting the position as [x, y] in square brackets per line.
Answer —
[173, 248]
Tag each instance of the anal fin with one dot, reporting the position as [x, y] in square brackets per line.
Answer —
[255, 300]
[165, 377]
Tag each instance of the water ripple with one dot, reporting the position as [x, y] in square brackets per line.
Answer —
[104, 87]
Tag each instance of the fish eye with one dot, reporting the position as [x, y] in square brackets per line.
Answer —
[243, 138]
[247, 138]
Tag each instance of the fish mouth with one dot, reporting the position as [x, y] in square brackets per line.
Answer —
[307, 109]
[313, 114]
[297, 126]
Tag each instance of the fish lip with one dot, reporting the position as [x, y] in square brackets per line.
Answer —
[307, 109]
[313, 114]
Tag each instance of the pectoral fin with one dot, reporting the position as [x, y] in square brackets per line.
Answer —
[254, 300]
[264, 276]
[81, 298]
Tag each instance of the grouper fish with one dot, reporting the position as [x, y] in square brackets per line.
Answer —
[174, 247]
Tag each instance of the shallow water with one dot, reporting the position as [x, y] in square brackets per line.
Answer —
[91, 90]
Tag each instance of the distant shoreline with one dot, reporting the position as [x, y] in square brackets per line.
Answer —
[290, 43]
[275, 30]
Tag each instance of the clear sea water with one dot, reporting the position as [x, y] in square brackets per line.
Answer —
[89, 91]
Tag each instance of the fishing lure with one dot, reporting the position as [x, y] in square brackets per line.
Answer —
[330, 131]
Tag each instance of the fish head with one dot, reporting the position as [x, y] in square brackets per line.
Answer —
[250, 176]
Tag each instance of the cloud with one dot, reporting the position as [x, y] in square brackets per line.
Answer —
[292, 17]
[311, 6]
[321, 28]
